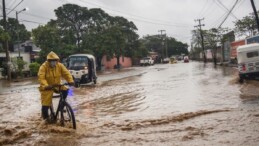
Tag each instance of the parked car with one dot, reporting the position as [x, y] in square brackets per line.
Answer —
[248, 61]
[186, 59]
[146, 61]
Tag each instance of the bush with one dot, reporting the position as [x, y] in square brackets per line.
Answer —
[17, 66]
[34, 68]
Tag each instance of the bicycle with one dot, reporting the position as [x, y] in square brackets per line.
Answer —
[64, 113]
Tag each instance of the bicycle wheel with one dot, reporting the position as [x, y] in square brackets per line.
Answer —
[52, 117]
[67, 117]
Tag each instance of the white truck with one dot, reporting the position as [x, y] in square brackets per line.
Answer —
[146, 61]
[248, 61]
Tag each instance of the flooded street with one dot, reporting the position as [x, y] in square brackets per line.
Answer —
[165, 104]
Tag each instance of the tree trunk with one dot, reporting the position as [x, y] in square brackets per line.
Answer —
[214, 54]
[204, 57]
[118, 62]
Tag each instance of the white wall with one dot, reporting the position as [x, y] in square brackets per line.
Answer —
[25, 56]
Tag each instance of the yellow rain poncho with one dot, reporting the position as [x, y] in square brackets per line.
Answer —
[48, 75]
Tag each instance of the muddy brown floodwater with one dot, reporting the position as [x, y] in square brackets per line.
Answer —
[167, 104]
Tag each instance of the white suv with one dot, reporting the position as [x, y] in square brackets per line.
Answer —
[146, 61]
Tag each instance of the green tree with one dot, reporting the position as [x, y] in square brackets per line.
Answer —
[18, 65]
[78, 29]
[34, 68]
[73, 19]
[158, 44]
[175, 47]
[212, 37]
[93, 40]
[109, 36]
[152, 43]
[48, 39]
[142, 51]
[14, 29]
[246, 26]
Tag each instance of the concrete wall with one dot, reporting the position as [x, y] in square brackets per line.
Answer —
[124, 61]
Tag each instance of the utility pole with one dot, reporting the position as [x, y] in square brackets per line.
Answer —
[202, 41]
[18, 37]
[166, 53]
[162, 43]
[256, 15]
[5, 44]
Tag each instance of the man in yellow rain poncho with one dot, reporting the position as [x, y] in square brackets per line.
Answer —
[50, 74]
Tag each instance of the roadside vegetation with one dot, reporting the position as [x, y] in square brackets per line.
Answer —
[81, 30]
[215, 37]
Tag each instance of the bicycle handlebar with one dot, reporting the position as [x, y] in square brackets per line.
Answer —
[64, 84]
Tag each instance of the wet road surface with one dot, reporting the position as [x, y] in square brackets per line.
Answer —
[166, 104]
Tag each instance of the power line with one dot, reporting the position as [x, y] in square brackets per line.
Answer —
[224, 16]
[133, 16]
[12, 3]
[203, 8]
[31, 21]
[29, 14]
[226, 8]
[37, 16]
[15, 7]
[228, 14]
[210, 12]
[23, 20]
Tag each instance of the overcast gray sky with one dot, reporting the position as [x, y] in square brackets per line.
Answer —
[175, 16]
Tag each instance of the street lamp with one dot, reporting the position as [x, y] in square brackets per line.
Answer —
[17, 12]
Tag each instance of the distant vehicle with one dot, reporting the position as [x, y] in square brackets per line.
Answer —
[186, 59]
[248, 61]
[83, 68]
[146, 61]
[166, 60]
[179, 58]
[173, 60]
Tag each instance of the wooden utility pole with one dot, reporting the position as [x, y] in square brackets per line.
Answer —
[5, 44]
[256, 15]
[202, 41]
[162, 43]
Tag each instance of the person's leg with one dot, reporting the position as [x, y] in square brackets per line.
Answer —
[46, 100]
[44, 112]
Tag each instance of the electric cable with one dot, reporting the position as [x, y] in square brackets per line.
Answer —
[228, 14]
[140, 18]
[15, 7]
[11, 4]
[226, 8]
